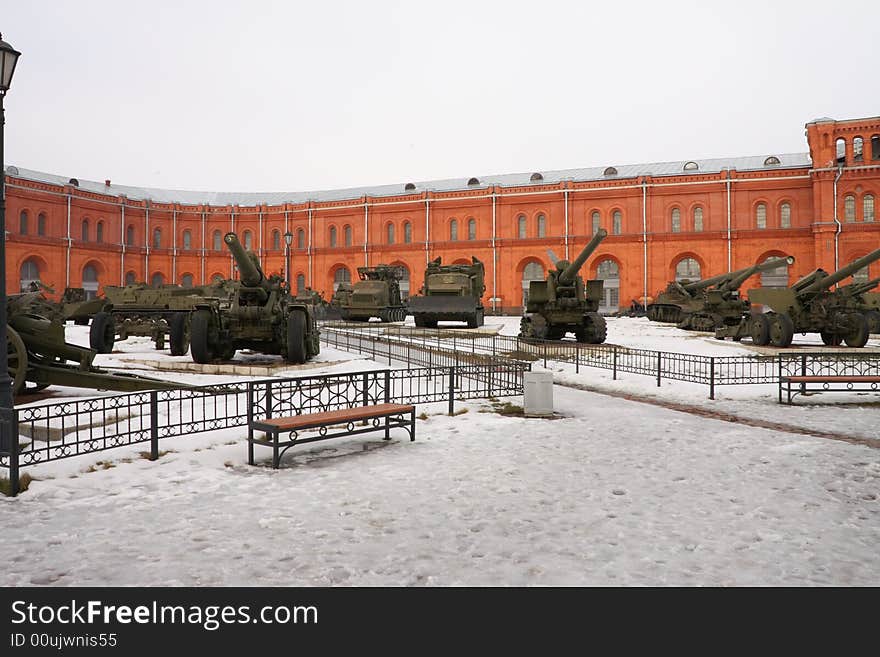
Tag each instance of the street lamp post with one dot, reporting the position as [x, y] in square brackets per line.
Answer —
[288, 240]
[8, 442]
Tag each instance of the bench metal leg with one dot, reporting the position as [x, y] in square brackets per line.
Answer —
[387, 427]
[412, 424]
[275, 457]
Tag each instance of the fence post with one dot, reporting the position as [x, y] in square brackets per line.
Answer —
[250, 416]
[711, 377]
[366, 398]
[659, 365]
[452, 390]
[803, 372]
[389, 351]
[154, 425]
[779, 377]
[387, 386]
[545, 355]
[614, 363]
[14, 479]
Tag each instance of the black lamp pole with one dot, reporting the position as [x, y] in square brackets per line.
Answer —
[288, 240]
[8, 59]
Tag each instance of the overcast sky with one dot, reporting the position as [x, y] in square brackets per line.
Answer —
[290, 96]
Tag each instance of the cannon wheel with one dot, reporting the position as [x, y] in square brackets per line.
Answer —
[102, 333]
[200, 344]
[594, 330]
[296, 337]
[759, 329]
[781, 330]
[858, 336]
[178, 329]
[873, 317]
[16, 354]
[830, 339]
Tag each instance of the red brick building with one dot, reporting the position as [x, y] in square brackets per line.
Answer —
[696, 218]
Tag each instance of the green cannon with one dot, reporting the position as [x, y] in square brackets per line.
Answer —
[376, 294]
[564, 303]
[451, 293]
[260, 314]
[808, 306]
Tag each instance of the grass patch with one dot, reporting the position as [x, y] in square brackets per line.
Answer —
[146, 455]
[460, 411]
[23, 482]
[505, 408]
[423, 416]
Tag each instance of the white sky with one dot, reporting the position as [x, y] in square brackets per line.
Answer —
[295, 96]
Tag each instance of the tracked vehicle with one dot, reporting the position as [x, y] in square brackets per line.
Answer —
[451, 293]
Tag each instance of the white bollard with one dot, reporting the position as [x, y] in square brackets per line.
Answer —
[538, 394]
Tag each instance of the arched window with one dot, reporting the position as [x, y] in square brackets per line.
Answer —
[785, 215]
[332, 236]
[453, 230]
[521, 226]
[187, 280]
[771, 161]
[157, 238]
[341, 275]
[532, 272]
[861, 275]
[347, 235]
[687, 269]
[698, 219]
[676, 220]
[472, 229]
[158, 280]
[617, 222]
[849, 208]
[90, 282]
[840, 150]
[542, 226]
[389, 234]
[217, 278]
[30, 273]
[868, 207]
[596, 221]
[300, 239]
[23, 222]
[875, 147]
[85, 230]
[777, 277]
[858, 149]
[609, 273]
[300, 283]
[41, 224]
[248, 240]
[276, 240]
[691, 166]
[404, 283]
[130, 278]
[761, 215]
[99, 232]
[407, 232]
[217, 241]
[129, 236]
[187, 240]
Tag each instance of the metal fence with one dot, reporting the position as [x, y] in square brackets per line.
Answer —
[50, 432]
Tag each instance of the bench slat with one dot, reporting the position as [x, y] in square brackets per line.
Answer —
[333, 417]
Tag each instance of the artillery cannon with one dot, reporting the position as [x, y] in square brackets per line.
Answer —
[450, 293]
[260, 314]
[38, 353]
[692, 305]
[376, 294]
[564, 303]
[809, 306]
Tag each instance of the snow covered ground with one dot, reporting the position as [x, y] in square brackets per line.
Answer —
[613, 492]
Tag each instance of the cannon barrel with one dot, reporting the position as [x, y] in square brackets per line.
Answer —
[840, 274]
[736, 281]
[251, 274]
[859, 288]
[569, 273]
[702, 284]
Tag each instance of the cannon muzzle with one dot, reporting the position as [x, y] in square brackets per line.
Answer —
[736, 281]
[840, 274]
[569, 273]
[248, 266]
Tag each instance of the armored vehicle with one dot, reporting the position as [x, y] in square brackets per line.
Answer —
[450, 293]
[709, 303]
[39, 355]
[260, 315]
[808, 306]
[564, 303]
[376, 294]
[141, 310]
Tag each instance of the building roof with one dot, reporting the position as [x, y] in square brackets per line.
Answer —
[716, 165]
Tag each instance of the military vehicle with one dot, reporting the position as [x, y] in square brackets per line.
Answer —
[77, 306]
[320, 305]
[141, 310]
[260, 315]
[451, 293]
[808, 306]
[709, 303]
[376, 294]
[872, 305]
[39, 355]
[564, 303]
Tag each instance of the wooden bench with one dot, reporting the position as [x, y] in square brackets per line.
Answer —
[395, 415]
[799, 385]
